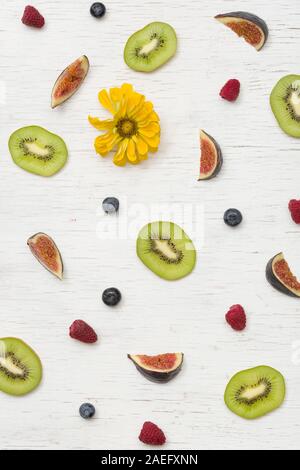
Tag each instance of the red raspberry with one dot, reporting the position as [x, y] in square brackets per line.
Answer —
[32, 17]
[83, 332]
[152, 434]
[230, 90]
[294, 207]
[236, 317]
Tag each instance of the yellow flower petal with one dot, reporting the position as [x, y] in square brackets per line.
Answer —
[141, 146]
[103, 139]
[127, 89]
[135, 104]
[143, 113]
[102, 150]
[116, 94]
[151, 118]
[150, 130]
[105, 101]
[106, 142]
[154, 116]
[107, 124]
[153, 142]
[123, 108]
[120, 156]
[131, 152]
[144, 157]
[115, 142]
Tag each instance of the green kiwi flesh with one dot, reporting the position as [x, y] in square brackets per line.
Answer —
[285, 104]
[20, 367]
[150, 47]
[255, 392]
[166, 249]
[37, 150]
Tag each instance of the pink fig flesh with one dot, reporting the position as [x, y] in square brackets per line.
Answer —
[47, 253]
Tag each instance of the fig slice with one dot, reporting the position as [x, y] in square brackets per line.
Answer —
[211, 159]
[47, 253]
[252, 28]
[161, 368]
[69, 81]
[280, 276]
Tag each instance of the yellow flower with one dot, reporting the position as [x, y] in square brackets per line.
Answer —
[134, 130]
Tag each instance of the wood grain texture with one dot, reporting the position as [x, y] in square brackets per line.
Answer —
[259, 176]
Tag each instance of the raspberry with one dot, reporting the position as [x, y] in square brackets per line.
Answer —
[83, 332]
[152, 434]
[32, 17]
[294, 207]
[236, 317]
[230, 90]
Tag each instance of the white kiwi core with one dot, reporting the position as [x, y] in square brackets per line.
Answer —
[295, 102]
[148, 48]
[164, 247]
[35, 149]
[251, 393]
[7, 363]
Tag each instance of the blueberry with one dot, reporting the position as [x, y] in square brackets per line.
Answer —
[98, 10]
[87, 410]
[110, 205]
[111, 296]
[233, 217]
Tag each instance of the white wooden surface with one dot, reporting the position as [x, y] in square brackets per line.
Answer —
[260, 175]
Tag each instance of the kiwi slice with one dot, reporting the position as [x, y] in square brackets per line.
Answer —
[150, 47]
[166, 249]
[37, 150]
[20, 367]
[255, 392]
[285, 104]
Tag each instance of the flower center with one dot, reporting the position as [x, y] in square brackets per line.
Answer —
[126, 127]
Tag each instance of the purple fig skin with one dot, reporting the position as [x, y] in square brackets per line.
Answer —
[219, 164]
[274, 281]
[243, 15]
